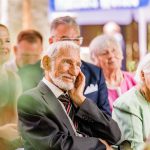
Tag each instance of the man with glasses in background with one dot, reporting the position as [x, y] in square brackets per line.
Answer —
[27, 50]
[66, 29]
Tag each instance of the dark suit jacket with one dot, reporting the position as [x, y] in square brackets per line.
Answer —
[94, 76]
[32, 74]
[44, 125]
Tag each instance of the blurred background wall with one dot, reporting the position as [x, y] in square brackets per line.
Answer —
[24, 14]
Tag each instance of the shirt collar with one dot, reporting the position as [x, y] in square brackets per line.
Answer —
[56, 91]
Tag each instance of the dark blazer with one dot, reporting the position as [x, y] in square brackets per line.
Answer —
[94, 76]
[44, 124]
[95, 87]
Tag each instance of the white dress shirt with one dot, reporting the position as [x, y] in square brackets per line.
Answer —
[57, 92]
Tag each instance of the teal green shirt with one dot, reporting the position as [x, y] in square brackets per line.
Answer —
[132, 113]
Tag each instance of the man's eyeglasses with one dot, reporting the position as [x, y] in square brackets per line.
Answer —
[77, 40]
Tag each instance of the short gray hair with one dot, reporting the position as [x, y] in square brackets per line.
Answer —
[144, 66]
[55, 47]
[102, 42]
[65, 20]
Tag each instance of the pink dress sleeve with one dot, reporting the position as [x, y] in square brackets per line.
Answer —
[127, 83]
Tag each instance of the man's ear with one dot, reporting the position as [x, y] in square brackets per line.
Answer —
[142, 76]
[51, 40]
[46, 63]
[15, 49]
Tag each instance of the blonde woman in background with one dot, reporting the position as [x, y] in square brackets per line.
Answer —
[9, 91]
[106, 53]
[132, 109]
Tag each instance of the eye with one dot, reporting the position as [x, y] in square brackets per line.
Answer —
[114, 50]
[65, 61]
[8, 41]
[105, 53]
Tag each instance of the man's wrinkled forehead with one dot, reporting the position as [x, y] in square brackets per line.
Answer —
[68, 51]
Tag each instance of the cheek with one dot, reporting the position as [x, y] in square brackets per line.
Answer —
[19, 52]
[8, 46]
[36, 49]
[4, 58]
[61, 69]
[102, 62]
[147, 82]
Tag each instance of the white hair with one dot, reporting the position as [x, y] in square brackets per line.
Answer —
[100, 43]
[144, 66]
[55, 47]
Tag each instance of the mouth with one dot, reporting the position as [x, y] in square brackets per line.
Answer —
[111, 62]
[70, 79]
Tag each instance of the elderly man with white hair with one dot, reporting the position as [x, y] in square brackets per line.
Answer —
[56, 115]
[132, 109]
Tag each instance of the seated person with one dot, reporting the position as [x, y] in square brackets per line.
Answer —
[107, 54]
[56, 114]
[114, 29]
[61, 29]
[27, 50]
[9, 92]
[132, 109]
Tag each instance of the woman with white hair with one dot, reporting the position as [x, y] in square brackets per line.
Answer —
[107, 54]
[132, 109]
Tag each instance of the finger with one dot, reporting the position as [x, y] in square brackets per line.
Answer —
[12, 125]
[82, 76]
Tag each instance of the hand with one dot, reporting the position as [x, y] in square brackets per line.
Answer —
[76, 93]
[9, 132]
[108, 147]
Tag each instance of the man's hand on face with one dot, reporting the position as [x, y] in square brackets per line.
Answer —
[76, 93]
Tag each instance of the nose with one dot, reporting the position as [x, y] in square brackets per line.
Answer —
[111, 54]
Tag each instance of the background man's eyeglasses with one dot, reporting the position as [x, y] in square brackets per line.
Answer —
[77, 40]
